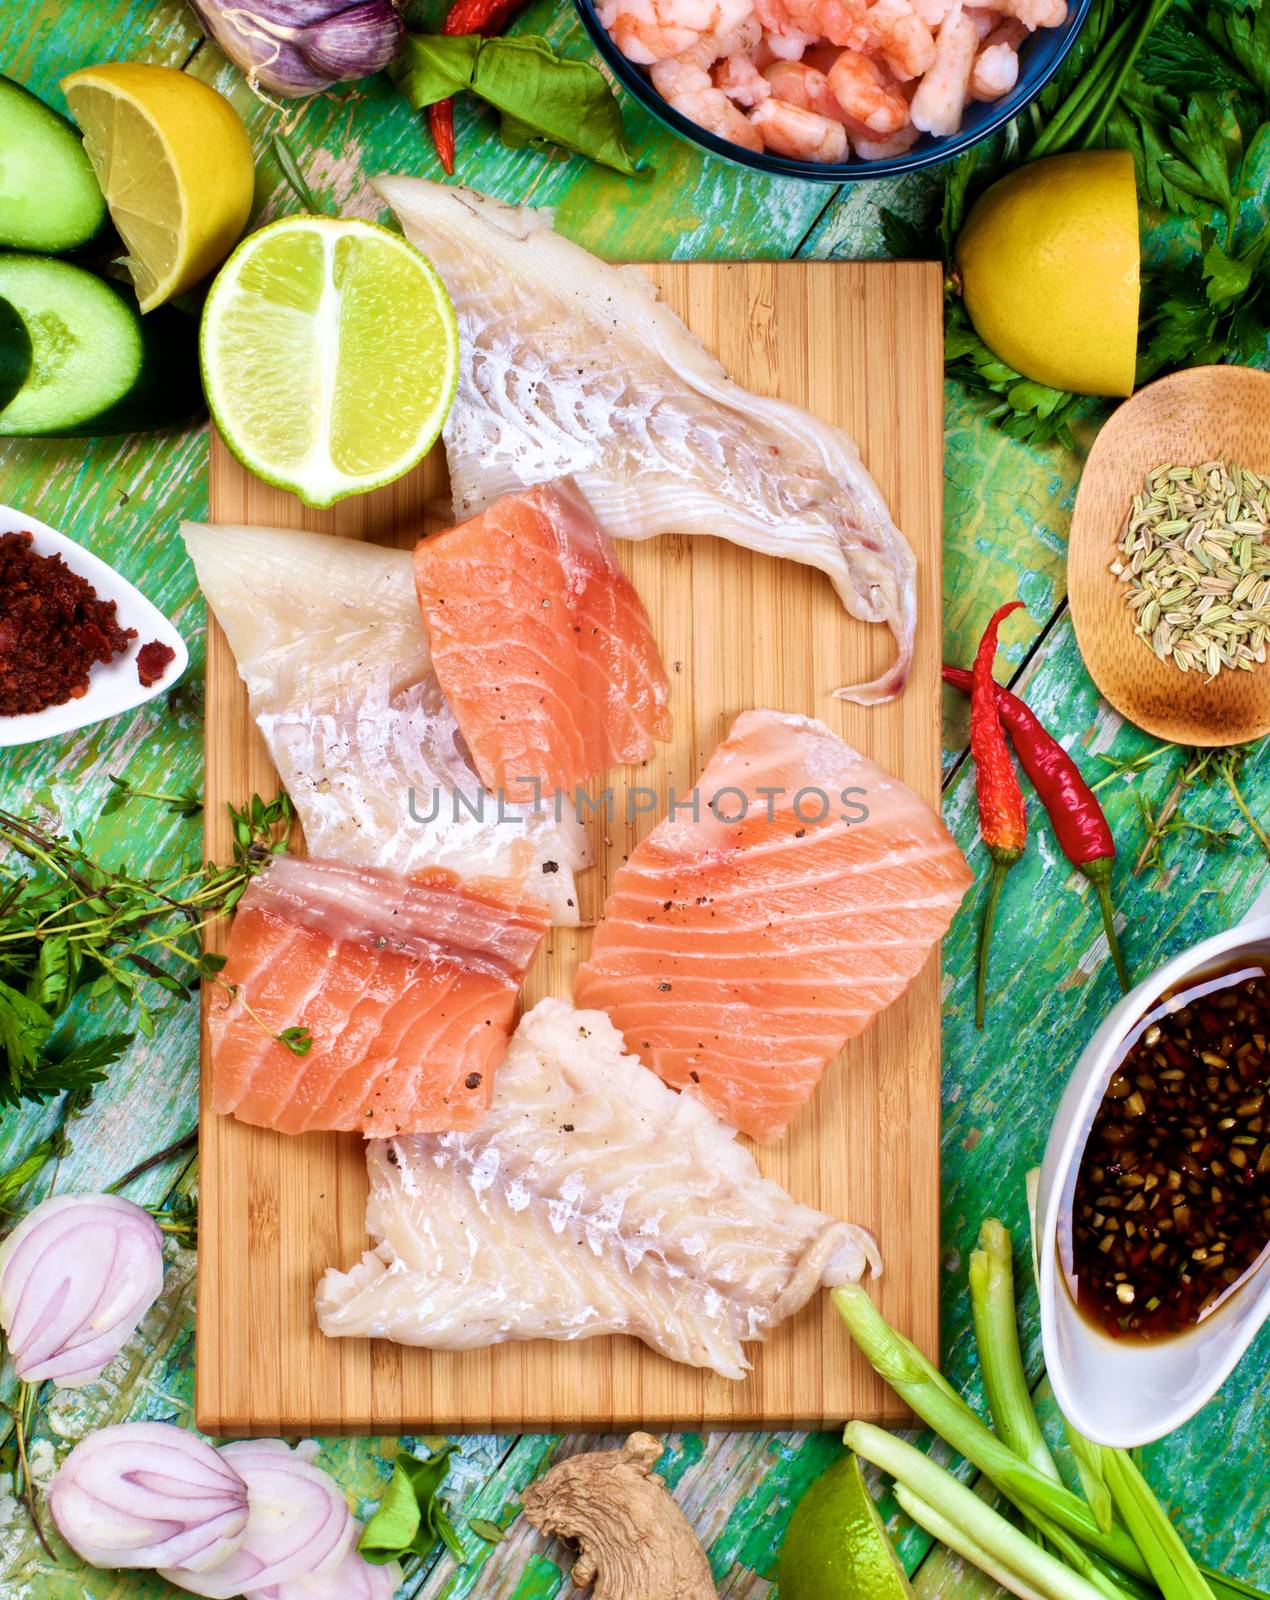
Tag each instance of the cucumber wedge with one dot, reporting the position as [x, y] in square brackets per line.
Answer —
[15, 353]
[95, 366]
[49, 196]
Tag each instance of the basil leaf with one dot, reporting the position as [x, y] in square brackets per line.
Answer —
[541, 97]
[411, 1518]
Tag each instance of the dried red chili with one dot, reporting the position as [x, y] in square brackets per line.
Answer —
[153, 660]
[1002, 813]
[487, 17]
[1080, 825]
[54, 627]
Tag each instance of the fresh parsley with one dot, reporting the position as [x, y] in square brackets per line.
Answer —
[1185, 87]
[73, 927]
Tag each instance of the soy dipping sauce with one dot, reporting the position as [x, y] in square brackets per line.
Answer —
[1172, 1202]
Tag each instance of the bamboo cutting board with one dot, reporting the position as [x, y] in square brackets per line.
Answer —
[862, 346]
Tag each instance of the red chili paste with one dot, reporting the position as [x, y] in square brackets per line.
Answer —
[153, 660]
[53, 628]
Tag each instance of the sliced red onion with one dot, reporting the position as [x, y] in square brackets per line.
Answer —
[353, 1579]
[300, 47]
[298, 1524]
[77, 1275]
[146, 1494]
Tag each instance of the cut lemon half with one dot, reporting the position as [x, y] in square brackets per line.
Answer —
[174, 163]
[330, 356]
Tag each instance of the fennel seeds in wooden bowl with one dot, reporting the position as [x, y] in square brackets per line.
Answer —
[1194, 561]
[1154, 659]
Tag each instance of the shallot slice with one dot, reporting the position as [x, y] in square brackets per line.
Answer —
[77, 1275]
[354, 1579]
[298, 1524]
[146, 1494]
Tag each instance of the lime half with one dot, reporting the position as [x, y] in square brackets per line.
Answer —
[836, 1547]
[330, 356]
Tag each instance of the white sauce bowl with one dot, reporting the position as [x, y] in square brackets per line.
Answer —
[112, 688]
[1127, 1392]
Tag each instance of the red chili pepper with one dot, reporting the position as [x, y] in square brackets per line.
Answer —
[1002, 812]
[1080, 826]
[487, 17]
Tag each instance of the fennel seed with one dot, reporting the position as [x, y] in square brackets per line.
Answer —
[1193, 560]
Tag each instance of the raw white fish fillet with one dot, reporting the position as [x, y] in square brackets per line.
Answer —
[573, 366]
[592, 1199]
[329, 641]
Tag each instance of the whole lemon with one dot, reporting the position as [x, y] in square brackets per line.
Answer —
[1049, 261]
[836, 1547]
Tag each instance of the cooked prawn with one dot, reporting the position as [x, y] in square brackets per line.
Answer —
[1032, 14]
[940, 99]
[686, 73]
[678, 75]
[996, 68]
[866, 91]
[869, 147]
[995, 72]
[902, 39]
[791, 131]
[842, 22]
[711, 109]
[804, 87]
[646, 31]
[741, 81]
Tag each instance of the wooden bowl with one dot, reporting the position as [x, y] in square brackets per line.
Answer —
[1204, 414]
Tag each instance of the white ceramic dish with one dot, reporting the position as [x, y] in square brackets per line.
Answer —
[1128, 1392]
[111, 689]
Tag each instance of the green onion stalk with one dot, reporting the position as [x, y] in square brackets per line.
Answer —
[1024, 1567]
[922, 1387]
[1120, 1545]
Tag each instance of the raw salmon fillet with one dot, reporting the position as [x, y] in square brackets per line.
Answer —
[541, 644]
[408, 987]
[737, 957]
[591, 1200]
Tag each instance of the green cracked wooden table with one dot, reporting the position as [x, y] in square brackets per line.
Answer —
[1006, 517]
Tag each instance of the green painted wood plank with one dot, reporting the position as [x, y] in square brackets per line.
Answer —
[1006, 514]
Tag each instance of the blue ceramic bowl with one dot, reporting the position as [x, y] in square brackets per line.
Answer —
[1039, 59]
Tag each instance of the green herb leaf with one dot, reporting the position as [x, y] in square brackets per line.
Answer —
[542, 97]
[411, 1517]
[298, 1040]
[24, 1028]
[1226, 277]
[291, 172]
[483, 1528]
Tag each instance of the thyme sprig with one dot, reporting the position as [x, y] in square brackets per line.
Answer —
[71, 926]
[1200, 769]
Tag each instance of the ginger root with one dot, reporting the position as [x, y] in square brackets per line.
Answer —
[633, 1541]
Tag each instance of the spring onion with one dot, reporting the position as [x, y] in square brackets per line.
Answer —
[1000, 1362]
[956, 1539]
[1168, 1558]
[986, 1527]
[921, 1386]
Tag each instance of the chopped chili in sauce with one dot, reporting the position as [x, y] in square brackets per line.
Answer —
[153, 660]
[1172, 1201]
[54, 627]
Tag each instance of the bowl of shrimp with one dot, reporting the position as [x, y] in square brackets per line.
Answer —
[834, 90]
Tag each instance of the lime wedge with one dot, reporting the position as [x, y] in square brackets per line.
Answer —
[330, 356]
[836, 1547]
